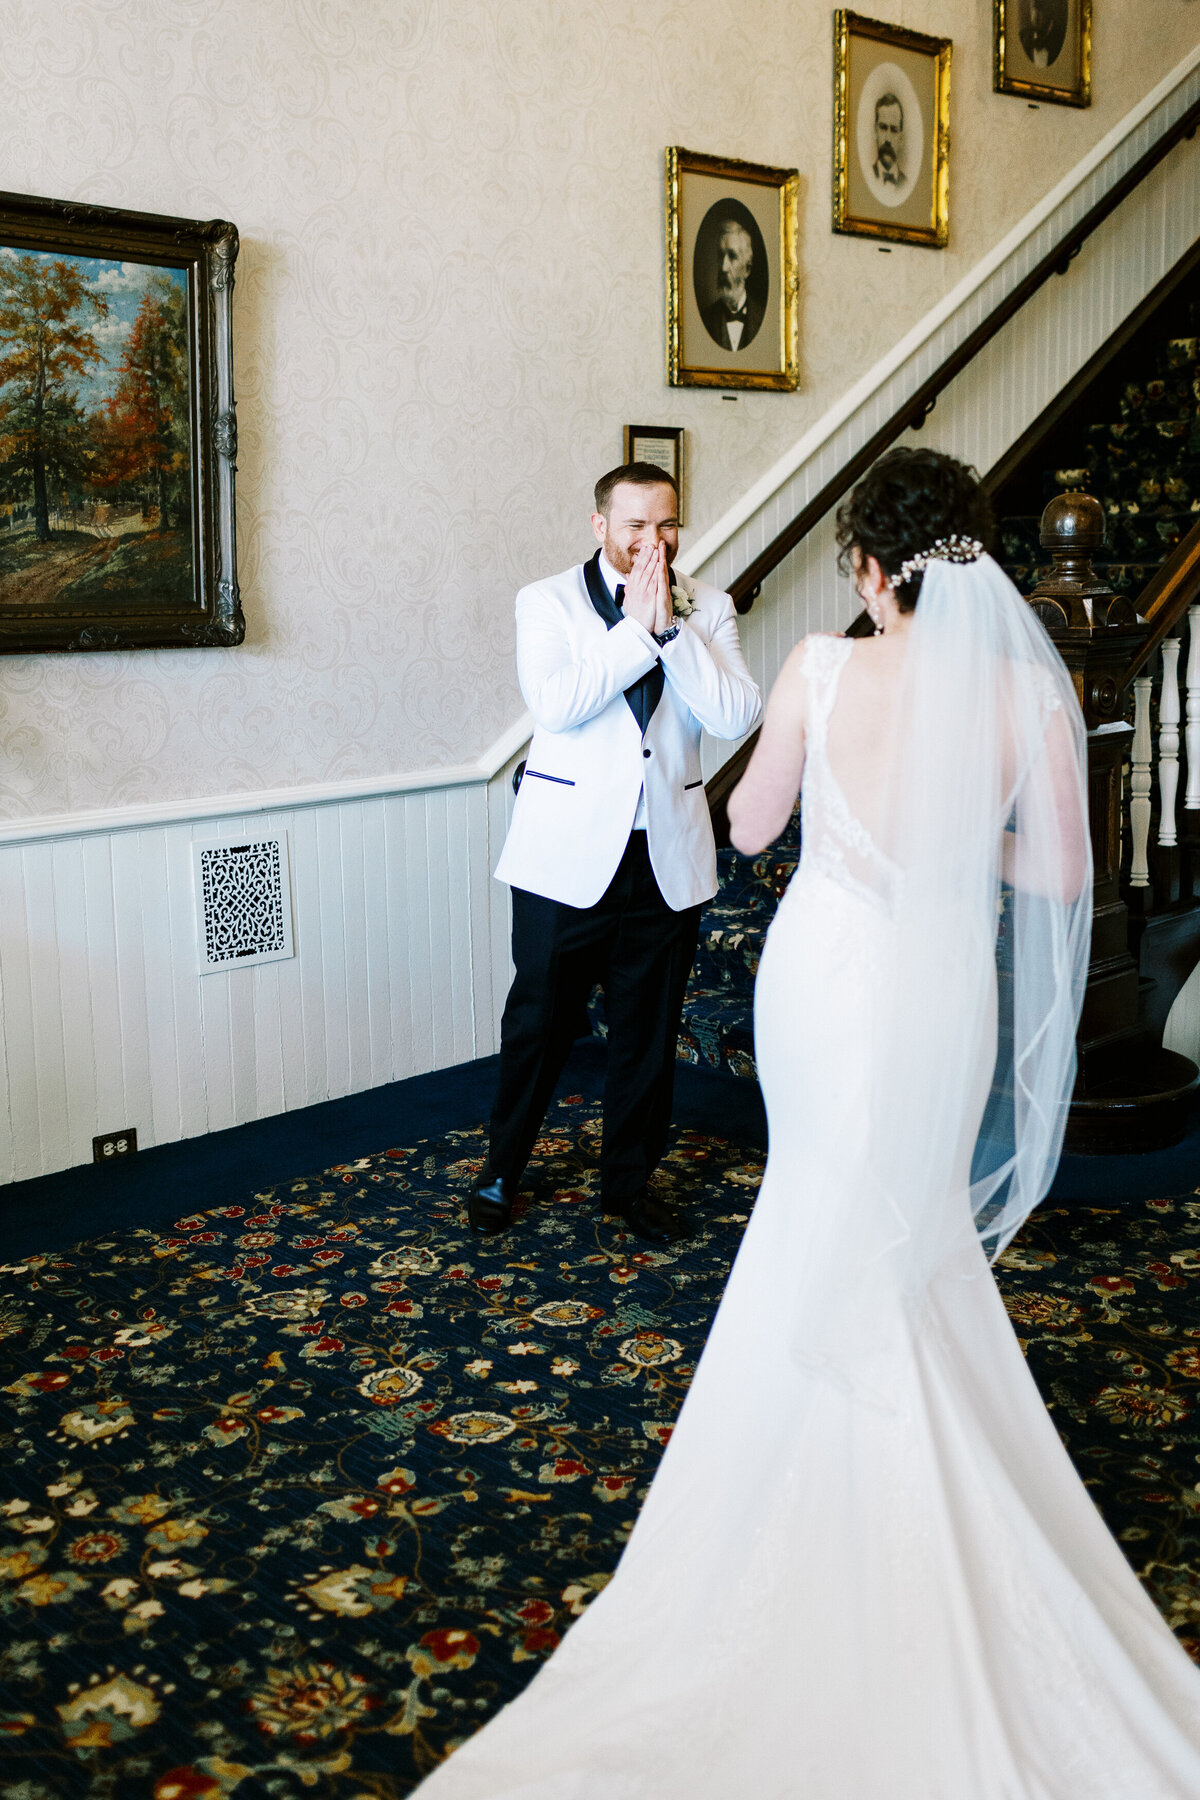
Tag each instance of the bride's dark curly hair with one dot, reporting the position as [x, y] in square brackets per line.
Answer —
[904, 503]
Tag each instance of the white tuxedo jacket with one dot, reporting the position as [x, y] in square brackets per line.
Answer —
[588, 762]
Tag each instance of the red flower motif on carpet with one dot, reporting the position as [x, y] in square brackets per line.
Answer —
[453, 1649]
[186, 1784]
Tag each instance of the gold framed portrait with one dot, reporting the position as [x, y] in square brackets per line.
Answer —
[891, 132]
[732, 274]
[1042, 50]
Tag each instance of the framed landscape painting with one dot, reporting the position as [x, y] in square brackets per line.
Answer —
[732, 273]
[1042, 50]
[117, 432]
[891, 132]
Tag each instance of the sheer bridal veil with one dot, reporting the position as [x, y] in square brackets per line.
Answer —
[982, 960]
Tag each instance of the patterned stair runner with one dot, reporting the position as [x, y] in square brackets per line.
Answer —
[1143, 466]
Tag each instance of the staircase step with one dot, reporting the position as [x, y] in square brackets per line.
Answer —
[1145, 1109]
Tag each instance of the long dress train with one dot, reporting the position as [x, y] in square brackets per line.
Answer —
[888, 1589]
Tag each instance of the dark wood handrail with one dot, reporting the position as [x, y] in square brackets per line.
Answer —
[1166, 597]
[916, 409]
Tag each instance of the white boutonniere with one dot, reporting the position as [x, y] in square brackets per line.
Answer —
[683, 604]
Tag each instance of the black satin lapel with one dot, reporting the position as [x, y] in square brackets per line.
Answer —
[652, 687]
[598, 594]
[643, 695]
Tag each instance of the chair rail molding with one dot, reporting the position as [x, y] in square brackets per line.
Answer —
[270, 800]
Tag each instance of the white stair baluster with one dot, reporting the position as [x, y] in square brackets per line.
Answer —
[1192, 802]
[1168, 743]
[1139, 783]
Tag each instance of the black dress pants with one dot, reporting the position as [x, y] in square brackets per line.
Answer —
[641, 952]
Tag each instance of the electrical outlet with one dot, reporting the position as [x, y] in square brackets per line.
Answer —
[115, 1146]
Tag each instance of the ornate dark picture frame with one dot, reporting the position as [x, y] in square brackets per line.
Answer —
[118, 433]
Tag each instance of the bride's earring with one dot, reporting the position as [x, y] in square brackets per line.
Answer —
[872, 611]
[876, 611]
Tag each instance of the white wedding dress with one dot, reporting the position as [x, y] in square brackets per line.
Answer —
[866, 1568]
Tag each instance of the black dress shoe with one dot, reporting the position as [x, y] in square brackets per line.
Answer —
[490, 1203]
[652, 1219]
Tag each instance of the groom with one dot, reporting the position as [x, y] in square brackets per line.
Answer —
[610, 854]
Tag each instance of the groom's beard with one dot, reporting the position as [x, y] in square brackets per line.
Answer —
[623, 560]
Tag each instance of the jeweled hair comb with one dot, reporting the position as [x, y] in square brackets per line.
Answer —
[953, 549]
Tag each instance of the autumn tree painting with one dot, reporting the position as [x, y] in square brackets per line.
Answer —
[44, 345]
[95, 461]
[145, 433]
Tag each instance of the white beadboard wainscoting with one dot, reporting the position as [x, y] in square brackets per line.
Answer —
[401, 936]
[400, 966]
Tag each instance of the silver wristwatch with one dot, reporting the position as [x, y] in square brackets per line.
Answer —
[665, 637]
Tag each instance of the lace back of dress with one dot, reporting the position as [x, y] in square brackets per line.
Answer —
[836, 844]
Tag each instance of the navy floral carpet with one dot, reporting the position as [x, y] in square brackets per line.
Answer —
[297, 1492]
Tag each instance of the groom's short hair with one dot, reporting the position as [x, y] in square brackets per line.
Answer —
[640, 474]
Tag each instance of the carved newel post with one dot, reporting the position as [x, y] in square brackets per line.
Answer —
[1096, 633]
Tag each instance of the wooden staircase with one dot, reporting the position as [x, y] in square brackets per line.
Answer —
[1136, 689]
[1131, 1093]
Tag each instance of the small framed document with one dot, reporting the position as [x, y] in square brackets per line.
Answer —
[661, 445]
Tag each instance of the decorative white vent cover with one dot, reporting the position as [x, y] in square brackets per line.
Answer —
[243, 902]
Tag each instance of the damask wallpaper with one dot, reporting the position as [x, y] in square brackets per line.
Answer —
[449, 299]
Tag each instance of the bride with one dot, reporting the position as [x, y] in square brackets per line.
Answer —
[866, 1569]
